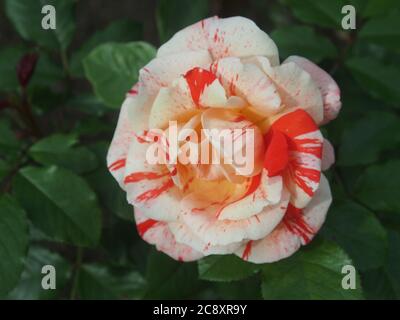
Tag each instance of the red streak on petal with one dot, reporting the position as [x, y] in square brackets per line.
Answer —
[311, 146]
[133, 92]
[300, 173]
[144, 226]
[247, 250]
[277, 154]
[197, 80]
[295, 223]
[117, 164]
[139, 176]
[295, 123]
[154, 193]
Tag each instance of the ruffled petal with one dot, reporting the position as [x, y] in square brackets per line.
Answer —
[292, 232]
[201, 216]
[249, 82]
[297, 89]
[235, 36]
[329, 89]
[158, 233]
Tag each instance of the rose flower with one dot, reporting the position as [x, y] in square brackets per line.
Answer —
[224, 76]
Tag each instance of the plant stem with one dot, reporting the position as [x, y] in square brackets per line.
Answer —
[26, 110]
[75, 281]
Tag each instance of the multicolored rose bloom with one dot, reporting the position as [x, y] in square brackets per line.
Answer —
[224, 74]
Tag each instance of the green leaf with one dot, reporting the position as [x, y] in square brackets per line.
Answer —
[354, 228]
[376, 285]
[27, 16]
[170, 19]
[378, 187]
[380, 7]
[248, 289]
[88, 104]
[225, 268]
[113, 68]
[325, 13]
[384, 283]
[13, 243]
[59, 203]
[169, 279]
[302, 41]
[30, 285]
[384, 31]
[314, 272]
[110, 194]
[381, 81]
[367, 138]
[97, 282]
[61, 150]
[118, 31]
[392, 266]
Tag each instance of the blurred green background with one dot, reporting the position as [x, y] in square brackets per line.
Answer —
[60, 206]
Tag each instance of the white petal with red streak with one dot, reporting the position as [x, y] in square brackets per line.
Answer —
[160, 235]
[162, 71]
[297, 89]
[184, 235]
[123, 135]
[209, 229]
[329, 89]
[165, 206]
[282, 243]
[235, 36]
[249, 82]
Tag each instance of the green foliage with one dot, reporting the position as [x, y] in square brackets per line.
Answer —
[170, 18]
[378, 187]
[29, 287]
[27, 19]
[302, 41]
[113, 69]
[225, 268]
[312, 273]
[59, 203]
[60, 150]
[118, 31]
[60, 199]
[96, 282]
[13, 242]
[355, 228]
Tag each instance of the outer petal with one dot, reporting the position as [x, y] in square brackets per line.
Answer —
[201, 217]
[235, 36]
[157, 233]
[298, 90]
[282, 242]
[329, 89]
[184, 235]
[116, 157]
[150, 187]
